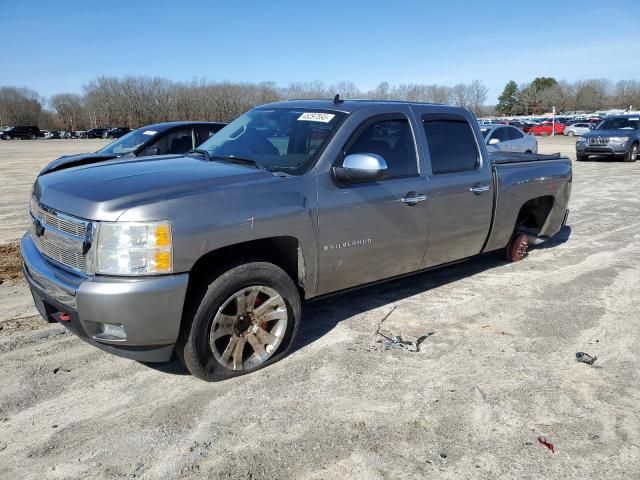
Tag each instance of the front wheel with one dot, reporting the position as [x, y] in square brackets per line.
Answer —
[570, 133]
[632, 156]
[246, 319]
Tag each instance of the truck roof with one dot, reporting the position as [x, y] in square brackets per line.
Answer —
[346, 106]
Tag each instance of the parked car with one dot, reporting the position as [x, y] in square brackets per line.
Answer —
[210, 254]
[116, 132]
[81, 134]
[68, 134]
[615, 137]
[22, 132]
[96, 132]
[579, 128]
[160, 139]
[546, 128]
[54, 134]
[508, 139]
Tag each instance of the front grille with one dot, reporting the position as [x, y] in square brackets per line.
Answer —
[59, 237]
[61, 254]
[598, 141]
[62, 223]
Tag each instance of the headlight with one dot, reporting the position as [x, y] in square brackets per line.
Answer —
[134, 248]
[619, 139]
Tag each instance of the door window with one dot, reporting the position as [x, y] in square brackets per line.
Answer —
[500, 134]
[178, 141]
[393, 141]
[513, 134]
[452, 145]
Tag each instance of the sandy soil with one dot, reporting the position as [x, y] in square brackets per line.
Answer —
[496, 373]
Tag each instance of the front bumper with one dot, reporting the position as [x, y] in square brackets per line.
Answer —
[612, 149]
[149, 309]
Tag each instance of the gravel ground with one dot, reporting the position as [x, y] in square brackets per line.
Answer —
[496, 372]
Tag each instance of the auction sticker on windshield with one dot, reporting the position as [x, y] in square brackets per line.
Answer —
[316, 117]
[149, 132]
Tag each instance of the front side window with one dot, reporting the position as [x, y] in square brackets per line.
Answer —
[175, 142]
[500, 134]
[392, 140]
[452, 145]
[289, 140]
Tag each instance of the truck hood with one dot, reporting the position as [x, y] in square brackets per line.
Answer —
[103, 191]
[610, 133]
[77, 159]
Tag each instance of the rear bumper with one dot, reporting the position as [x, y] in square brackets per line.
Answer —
[149, 309]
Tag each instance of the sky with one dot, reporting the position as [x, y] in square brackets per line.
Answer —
[58, 46]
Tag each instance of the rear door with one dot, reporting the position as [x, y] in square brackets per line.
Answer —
[461, 183]
[376, 230]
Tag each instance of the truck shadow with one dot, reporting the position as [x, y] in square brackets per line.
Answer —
[321, 316]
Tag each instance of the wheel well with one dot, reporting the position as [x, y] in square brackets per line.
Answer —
[281, 251]
[534, 213]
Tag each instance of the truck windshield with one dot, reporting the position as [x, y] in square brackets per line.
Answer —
[279, 139]
[129, 142]
[623, 123]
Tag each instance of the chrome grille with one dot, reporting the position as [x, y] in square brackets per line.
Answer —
[65, 256]
[57, 221]
[598, 141]
[59, 237]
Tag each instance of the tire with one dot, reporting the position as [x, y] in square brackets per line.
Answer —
[217, 308]
[632, 155]
[32, 136]
[571, 133]
[518, 247]
[581, 158]
[7, 137]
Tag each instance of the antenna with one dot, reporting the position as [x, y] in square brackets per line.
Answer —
[336, 99]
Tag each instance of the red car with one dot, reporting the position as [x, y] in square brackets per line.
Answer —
[546, 128]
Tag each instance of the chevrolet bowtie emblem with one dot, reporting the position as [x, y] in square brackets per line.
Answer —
[38, 228]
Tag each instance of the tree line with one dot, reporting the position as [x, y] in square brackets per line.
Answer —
[590, 95]
[134, 101]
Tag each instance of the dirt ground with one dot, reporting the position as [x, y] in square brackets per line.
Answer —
[496, 372]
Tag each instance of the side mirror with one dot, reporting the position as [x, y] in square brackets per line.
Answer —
[494, 141]
[361, 167]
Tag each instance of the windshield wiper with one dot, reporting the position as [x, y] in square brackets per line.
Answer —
[206, 154]
[236, 159]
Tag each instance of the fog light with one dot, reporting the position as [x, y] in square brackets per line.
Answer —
[110, 331]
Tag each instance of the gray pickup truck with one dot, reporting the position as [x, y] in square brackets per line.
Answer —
[210, 254]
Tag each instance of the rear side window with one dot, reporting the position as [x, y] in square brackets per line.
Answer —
[452, 145]
[392, 140]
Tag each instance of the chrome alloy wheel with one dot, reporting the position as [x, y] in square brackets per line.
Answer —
[248, 328]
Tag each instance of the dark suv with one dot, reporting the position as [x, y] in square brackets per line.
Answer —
[30, 132]
[116, 132]
[95, 132]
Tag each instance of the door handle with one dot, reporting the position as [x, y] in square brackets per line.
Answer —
[478, 188]
[412, 198]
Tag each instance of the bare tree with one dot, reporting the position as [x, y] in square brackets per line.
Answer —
[19, 106]
[477, 96]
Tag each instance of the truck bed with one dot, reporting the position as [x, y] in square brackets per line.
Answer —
[515, 157]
